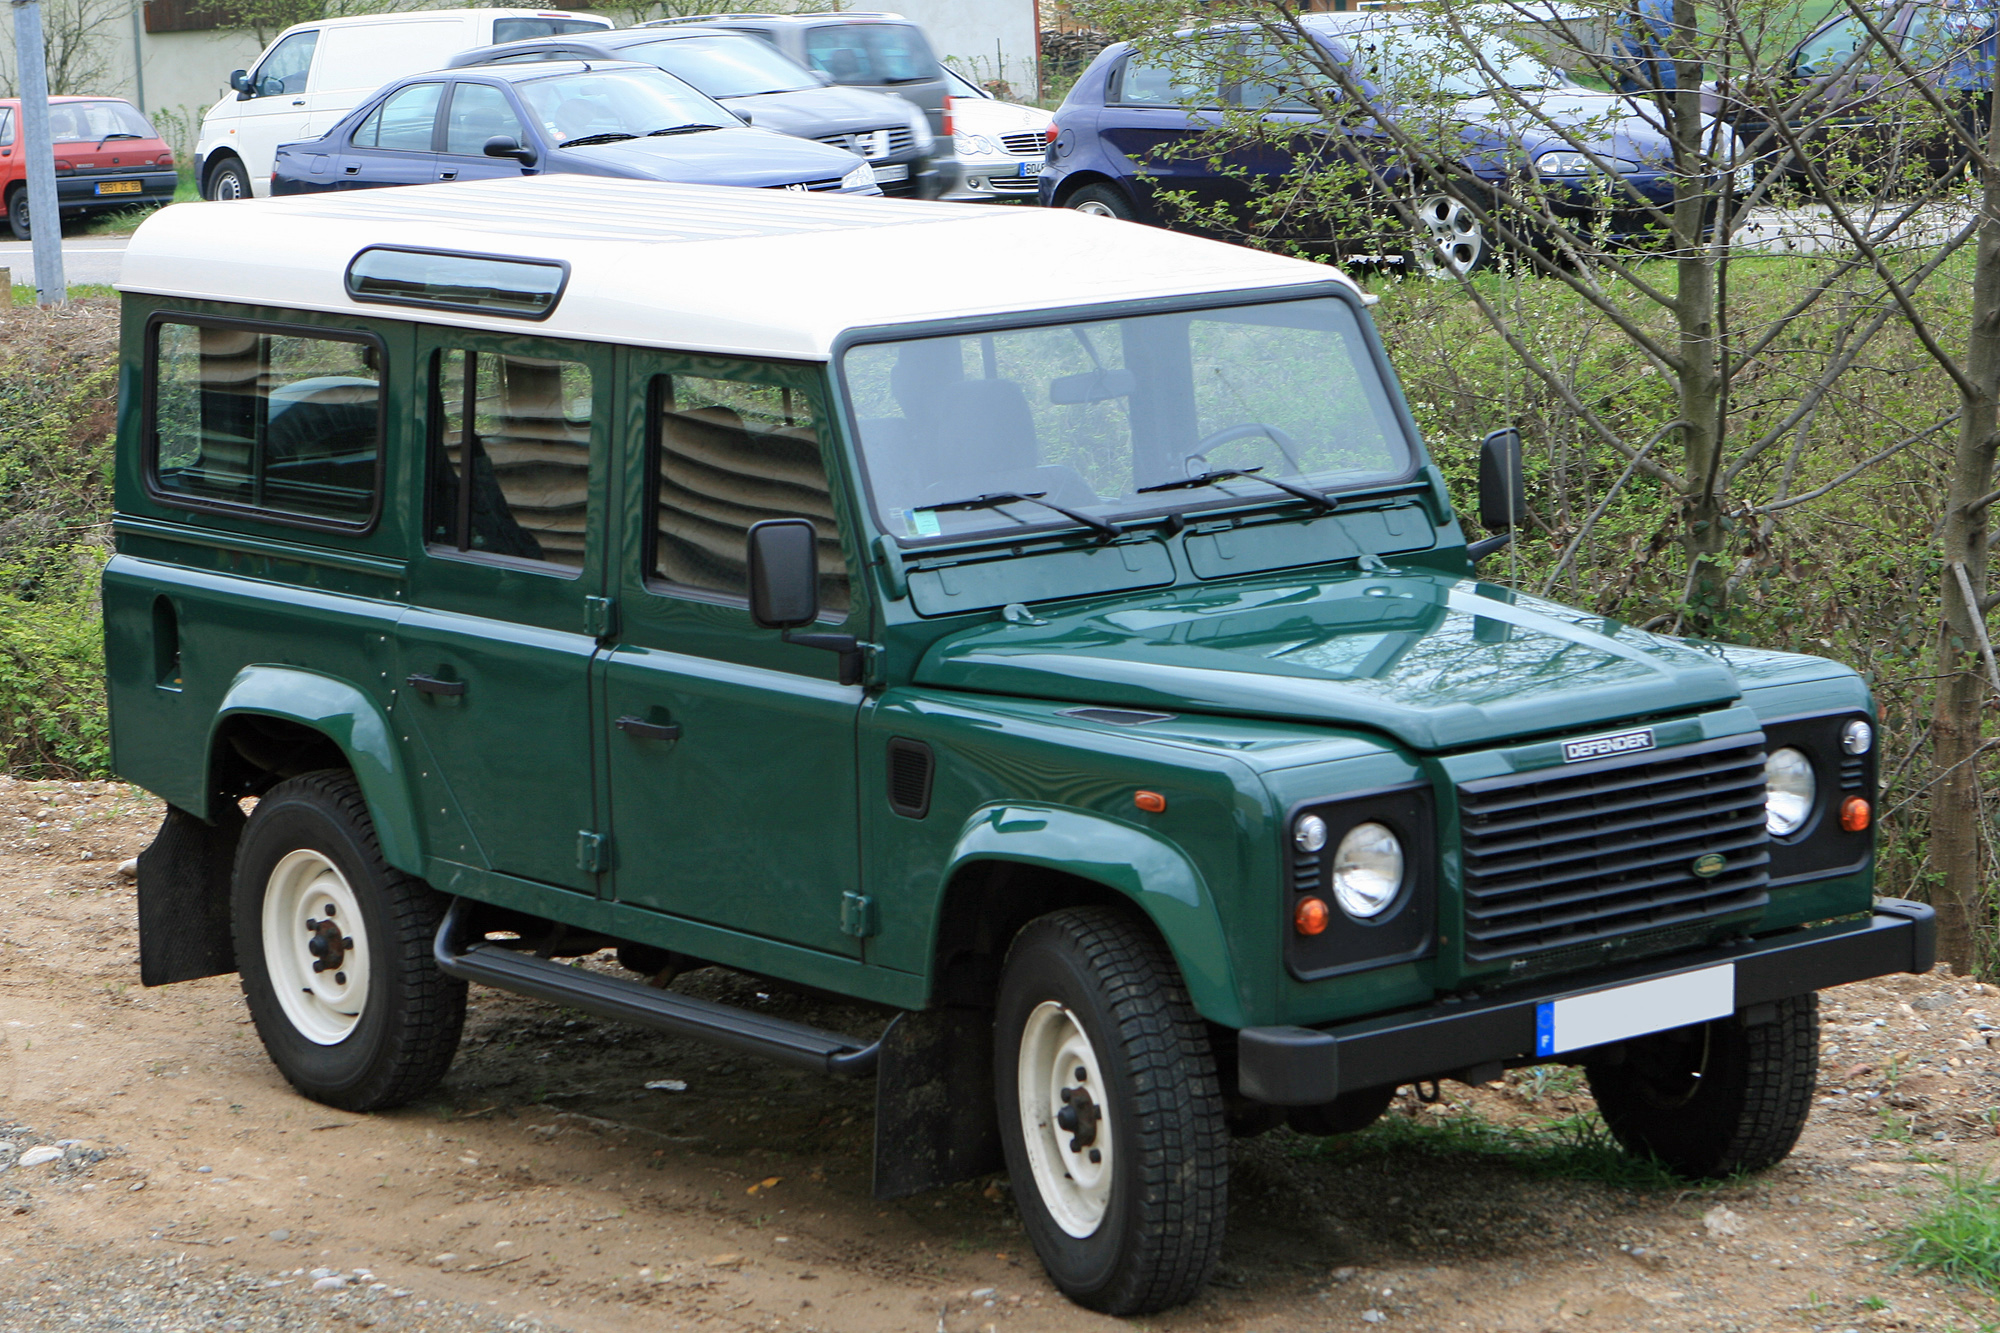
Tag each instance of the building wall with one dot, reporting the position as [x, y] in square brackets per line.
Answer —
[983, 39]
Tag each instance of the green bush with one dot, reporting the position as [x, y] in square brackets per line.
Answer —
[52, 718]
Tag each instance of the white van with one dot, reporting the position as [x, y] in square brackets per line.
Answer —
[315, 73]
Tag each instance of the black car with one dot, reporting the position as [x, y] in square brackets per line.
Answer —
[767, 88]
[627, 120]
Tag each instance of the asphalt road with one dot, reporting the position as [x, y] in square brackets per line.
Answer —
[85, 259]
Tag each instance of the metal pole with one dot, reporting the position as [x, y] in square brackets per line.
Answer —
[44, 214]
[139, 55]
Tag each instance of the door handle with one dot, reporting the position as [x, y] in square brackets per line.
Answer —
[449, 689]
[448, 175]
[300, 102]
[352, 171]
[643, 730]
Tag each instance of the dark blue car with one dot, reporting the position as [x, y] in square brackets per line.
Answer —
[1133, 126]
[594, 119]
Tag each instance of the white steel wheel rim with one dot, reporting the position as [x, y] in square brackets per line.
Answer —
[1075, 1189]
[311, 917]
[1094, 208]
[1450, 241]
[227, 186]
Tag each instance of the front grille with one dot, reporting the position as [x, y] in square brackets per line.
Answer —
[873, 144]
[1014, 184]
[1030, 144]
[830, 183]
[1599, 851]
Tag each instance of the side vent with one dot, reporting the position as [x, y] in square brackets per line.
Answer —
[909, 777]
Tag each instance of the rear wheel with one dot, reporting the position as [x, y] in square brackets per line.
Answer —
[1713, 1098]
[334, 946]
[1101, 201]
[228, 180]
[1110, 1112]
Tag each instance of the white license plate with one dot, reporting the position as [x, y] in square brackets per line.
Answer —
[1028, 169]
[895, 171]
[1577, 1021]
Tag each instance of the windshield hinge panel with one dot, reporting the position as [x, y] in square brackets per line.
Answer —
[593, 852]
[600, 616]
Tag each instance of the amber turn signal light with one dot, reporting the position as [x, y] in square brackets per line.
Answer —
[1310, 916]
[1854, 814]
[1150, 801]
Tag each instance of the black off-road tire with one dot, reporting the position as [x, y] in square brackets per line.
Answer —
[1160, 1233]
[410, 1014]
[1715, 1098]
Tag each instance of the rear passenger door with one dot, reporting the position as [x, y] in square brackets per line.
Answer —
[494, 675]
[396, 143]
[730, 754]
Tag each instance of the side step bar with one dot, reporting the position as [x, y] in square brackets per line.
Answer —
[633, 1002]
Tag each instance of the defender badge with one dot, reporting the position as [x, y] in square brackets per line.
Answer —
[1603, 747]
[1710, 865]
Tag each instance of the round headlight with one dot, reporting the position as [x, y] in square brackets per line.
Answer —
[1309, 834]
[1789, 789]
[1856, 737]
[1367, 870]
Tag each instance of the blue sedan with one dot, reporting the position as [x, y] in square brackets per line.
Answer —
[594, 119]
[1134, 125]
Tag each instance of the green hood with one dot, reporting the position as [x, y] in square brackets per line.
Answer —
[1437, 662]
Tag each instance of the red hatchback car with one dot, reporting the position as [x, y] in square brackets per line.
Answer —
[107, 158]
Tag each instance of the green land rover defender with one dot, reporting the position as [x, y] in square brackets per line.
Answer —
[1049, 630]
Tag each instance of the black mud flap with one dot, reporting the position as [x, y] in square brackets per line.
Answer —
[934, 1112]
[184, 897]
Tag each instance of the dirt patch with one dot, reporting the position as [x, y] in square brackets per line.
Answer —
[547, 1184]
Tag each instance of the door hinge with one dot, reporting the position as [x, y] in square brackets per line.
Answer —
[857, 915]
[600, 616]
[593, 852]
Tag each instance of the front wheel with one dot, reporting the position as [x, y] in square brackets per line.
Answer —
[1713, 1098]
[229, 180]
[1111, 1115]
[334, 947]
[17, 212]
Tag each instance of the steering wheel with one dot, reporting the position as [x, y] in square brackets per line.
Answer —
[1210, 443]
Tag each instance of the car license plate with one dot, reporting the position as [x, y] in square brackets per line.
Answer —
[1028, 169]
[118, 187]
[894, 171]
[1577, 1021]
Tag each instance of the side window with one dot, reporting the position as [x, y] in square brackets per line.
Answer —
[284, 70]
[6, 126]
[519, 428]
[405, 122]
[479, 112]
[290, 423]
[1170, 79]
[727, 454]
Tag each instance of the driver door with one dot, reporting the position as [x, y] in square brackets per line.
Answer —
[276, 110]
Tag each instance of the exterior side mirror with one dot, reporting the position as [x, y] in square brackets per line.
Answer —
[784, 573]
[744, 116]
[1503, 495]
[503, 145]
[239, 79]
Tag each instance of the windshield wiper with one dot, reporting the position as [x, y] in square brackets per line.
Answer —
[692, 127]
[1105, 531]
[607, 137]
[1248, 473]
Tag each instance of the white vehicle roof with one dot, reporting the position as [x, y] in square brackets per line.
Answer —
[773, 273]
[408, 15]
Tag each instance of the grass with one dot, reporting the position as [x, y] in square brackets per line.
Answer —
[24, 291]
[1958, 1237]
[1577, 1147]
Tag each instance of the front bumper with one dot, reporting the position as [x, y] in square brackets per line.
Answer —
[985, 179]
[1476, 1039]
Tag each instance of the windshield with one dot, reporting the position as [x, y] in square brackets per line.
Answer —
[870, 53]
[91, 122]
[726, 66]
[617, 103]
[1085, 414]
[1437, 63]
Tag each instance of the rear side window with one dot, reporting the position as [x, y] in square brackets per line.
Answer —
[285, 423]
[517, 30]
[870, 53]
[728, 454]
[519, 428]
[405, 121]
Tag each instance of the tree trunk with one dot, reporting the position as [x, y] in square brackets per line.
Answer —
[1695, 315]
[1957, 863]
